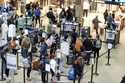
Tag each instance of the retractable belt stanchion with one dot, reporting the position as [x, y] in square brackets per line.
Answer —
[96, 68]
[58, 71]
[110, 41]
[109, 49]
[2, 68]
[92, 68]
[24, 78]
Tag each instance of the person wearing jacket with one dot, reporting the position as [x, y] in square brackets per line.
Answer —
[69, 15]
[51, 16]
[88, 47]
[37, 14]
[78, 46]
[43, 56]
[65, 50]
[26, 52]
[62, 14]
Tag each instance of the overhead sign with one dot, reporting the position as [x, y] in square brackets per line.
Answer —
[11, 61]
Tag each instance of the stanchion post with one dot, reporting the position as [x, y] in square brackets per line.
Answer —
[2, 78]
[2, 67]
[96, 68]
[92, 69]
[108, 62]
[58, 73]
[17, 61]
[24, 80]
[47, 77]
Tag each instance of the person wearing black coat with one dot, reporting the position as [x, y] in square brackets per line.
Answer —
[88, 46]
[51, 16]
[69, 14]
[123, 79]
[62, 14]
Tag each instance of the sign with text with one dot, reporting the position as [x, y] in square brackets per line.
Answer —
[11, 61]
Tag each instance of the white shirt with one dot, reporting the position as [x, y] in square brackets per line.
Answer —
[5, 16]
[86, 5]
[50, 41]
[65, 48]
[12, 31]
[53, 65]
[2, 42]
[4, 28]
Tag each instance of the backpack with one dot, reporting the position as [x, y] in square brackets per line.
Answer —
[98, 44]
[72, 74]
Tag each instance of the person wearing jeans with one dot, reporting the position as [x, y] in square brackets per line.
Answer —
[26, 52]
[43, 55]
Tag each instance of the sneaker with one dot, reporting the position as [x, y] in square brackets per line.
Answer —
[29, 79]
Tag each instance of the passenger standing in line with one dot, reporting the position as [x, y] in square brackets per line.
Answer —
[65, 49]
[62, 14]
[69, 15]
[53, 64]
[11, 30]
[51, 16]
[73, 38]
[37, 14]
[26, 52]
[88, 46]
[97, 44]
[43, 56]
[109, 21]
[105, 15]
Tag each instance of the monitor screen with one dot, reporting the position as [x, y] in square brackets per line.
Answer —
[116, 0]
